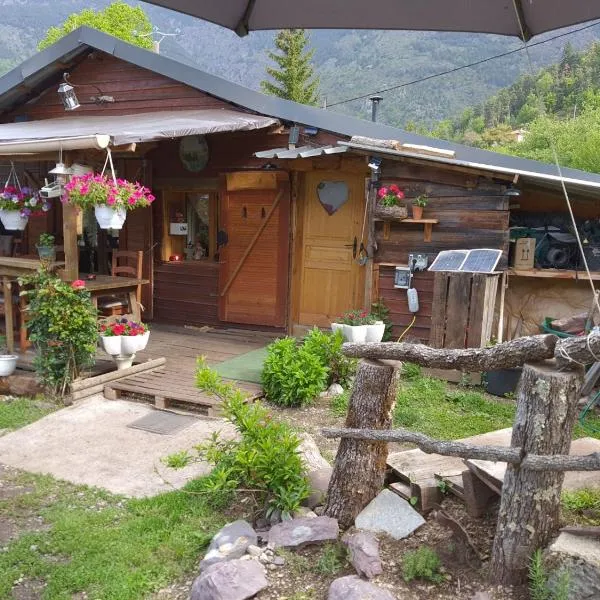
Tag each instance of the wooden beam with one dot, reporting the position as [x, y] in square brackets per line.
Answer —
[71, 270]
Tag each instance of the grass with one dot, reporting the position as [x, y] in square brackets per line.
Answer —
[18, 412]
[581, 507]
[104, 545]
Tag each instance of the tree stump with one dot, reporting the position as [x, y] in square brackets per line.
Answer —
[359, 467]
[530, 504]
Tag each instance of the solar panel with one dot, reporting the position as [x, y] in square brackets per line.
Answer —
[481, 260]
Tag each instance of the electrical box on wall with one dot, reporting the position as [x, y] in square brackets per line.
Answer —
[418, 262]
[402, 278]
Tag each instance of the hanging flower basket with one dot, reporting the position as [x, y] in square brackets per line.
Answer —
[13, 220]
[110, 218]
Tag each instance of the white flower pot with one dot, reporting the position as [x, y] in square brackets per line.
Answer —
[355, 333]
[130, 344]
[335, 327]
[110, 218]
[8, 364]
[375, 332]
[143, 341]
[12, 220]
[124, 361]
[111, 344]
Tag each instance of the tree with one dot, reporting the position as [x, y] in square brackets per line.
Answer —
[119, 19]
[294, 75]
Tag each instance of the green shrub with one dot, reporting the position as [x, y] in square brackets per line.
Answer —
[264, 460]
[380, 312]
[63, 328]
[328, 347]
[339, 404]
[539, 586]
[332, 559]
[411, 371]
[292, 375]
[423, 563]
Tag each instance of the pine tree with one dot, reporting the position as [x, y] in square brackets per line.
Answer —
[294, 75]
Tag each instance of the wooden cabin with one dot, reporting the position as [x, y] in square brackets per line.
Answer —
[250, 230]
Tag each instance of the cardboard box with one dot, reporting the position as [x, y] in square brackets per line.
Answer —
[524, 255]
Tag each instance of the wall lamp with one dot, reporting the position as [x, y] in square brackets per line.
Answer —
[66, 91]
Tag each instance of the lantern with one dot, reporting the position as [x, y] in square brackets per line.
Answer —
[67, 94]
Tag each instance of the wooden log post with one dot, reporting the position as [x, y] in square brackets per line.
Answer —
[530, 504]
[359, 468]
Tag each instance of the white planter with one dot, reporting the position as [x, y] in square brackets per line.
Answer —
[335, 327]
[109, 218]
[8, 364]
[111, 344]
[355, 333]
[130, 344]
[375, 332]
[143, 341]
[124, 361]
[12, 220]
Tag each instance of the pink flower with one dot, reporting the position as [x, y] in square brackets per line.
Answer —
[394, 188]
[111, 200]
[132, 200]
[382, 192]
[78, 284]
[150, 198]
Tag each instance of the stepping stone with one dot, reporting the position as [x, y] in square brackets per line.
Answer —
[230, 542]
[303, 531]
[388, 513]
[230, 580]
[352, 587]
[363, 550]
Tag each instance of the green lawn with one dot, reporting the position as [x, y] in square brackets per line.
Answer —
[18, 412]
[104, 545]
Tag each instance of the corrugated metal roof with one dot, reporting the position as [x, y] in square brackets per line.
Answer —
[301, 152]
[36, 73]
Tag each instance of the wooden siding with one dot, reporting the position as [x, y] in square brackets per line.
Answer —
[472, 213]
[134, 89]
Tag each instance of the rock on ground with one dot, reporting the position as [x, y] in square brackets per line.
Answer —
[310, 454]
[388, 513]
[229, 543]
[319, 484]
[231, 580]
[363, 553]
[352, 587]
[581, 557]
[304, 531]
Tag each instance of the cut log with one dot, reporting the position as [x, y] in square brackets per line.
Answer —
[359, 468]
[507, 355]
[530, 503]
[575, 352]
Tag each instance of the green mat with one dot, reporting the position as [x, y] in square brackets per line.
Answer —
[245, 367]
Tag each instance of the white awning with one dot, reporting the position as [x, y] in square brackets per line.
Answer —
[52, 134]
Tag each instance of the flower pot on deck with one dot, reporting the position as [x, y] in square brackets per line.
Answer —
[111, 344]
[12, 220]
[8, 364]
[110, 218]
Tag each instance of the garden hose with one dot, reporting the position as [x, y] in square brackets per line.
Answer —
[406, 330]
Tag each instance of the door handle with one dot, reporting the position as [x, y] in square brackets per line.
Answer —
[354, 246]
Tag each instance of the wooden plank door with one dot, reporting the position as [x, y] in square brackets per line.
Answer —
[329, 279]
[253, 280]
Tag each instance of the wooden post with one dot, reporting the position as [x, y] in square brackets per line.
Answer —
[70, 241]
[530, 504]
[359, 467]
[8, 314]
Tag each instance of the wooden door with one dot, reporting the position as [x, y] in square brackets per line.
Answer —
[253, 279]
[330, 281]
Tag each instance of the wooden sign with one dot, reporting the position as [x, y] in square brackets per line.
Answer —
[251, 180]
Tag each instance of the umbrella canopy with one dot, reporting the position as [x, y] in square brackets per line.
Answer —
[522, 18]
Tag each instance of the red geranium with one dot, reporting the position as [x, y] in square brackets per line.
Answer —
[78, 284]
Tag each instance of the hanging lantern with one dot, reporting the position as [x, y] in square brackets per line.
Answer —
[67, 95]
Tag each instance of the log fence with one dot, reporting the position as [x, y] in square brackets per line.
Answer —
[547, 399]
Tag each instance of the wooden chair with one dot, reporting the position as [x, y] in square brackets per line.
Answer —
[116, 305]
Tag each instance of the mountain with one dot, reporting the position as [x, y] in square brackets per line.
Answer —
[349, 63]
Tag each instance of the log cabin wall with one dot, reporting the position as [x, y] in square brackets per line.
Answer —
[472, 213]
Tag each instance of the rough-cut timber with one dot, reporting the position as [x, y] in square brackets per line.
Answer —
[578, 351]
[359, 468]
[530, 504]
[507, 355]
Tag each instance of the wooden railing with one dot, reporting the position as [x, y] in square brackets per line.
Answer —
[547, 399]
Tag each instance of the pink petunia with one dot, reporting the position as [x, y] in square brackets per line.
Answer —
[78, 284]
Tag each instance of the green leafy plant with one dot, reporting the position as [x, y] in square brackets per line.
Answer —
[581, 506]
[423, 563]
[263, 460]
[62, 325]
[539, 586]
[328, 348]
[46, 240]
[292, 375]
[380, 312]
[410, 370]
[332, 559]
[339, 404]
[420, 201]
[443, 486]
[390, 196]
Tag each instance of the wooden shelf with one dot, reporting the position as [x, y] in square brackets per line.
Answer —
[553, 274]
[427, 227]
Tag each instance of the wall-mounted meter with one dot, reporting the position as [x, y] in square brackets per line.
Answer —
[402, 278]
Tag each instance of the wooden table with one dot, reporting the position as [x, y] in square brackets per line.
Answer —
[12, 267]
[104, 285]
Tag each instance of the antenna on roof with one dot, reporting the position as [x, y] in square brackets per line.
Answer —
[155, 31]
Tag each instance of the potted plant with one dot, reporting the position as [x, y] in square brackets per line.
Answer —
[46, 249]
[375, 329]
[8, 362]
[355, 325]
[122, 339]
[135, 338]
[388, 203]
[110, 198]
[17, 205]
[418, 204]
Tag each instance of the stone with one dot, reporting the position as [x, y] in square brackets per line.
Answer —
[352, 587]
[388, 513]
[275, 517]
[230, 580]
[319, 484]
[363, 553]
[279, 561]
[310, 454]
[253, 550]
[335, 389]
[301, 532]
[481, 596]
[581, 557]
[304, 511]
[229, 543]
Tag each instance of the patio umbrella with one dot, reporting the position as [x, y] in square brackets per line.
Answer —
[476, 16]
